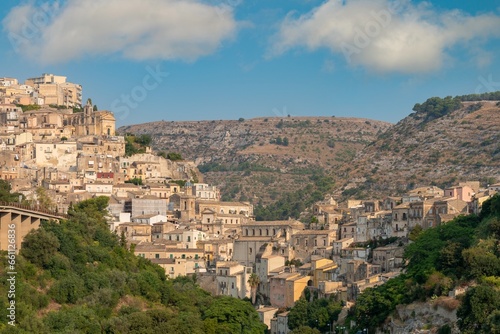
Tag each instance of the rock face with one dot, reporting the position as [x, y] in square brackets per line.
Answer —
[424, 317]
[264, 156]
[176, 170]
[462, 145]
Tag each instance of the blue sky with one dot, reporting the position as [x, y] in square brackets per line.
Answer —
[150, 60]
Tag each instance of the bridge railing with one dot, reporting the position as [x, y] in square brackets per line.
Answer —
[36, 208]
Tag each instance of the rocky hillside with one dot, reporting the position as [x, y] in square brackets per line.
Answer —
[443, 142]
[258, 159]
[421, 149]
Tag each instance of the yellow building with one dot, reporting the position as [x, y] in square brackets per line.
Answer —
[90, 122]
[294, 288]
[323, 270]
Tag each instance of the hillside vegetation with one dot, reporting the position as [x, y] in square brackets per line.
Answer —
[437, 145]
[78, 277]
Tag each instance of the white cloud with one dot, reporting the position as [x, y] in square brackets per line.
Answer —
[384, 35]
[136, 29]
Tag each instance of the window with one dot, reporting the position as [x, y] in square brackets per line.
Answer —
[315, 242]
[157, 256]
[250, 250]
[232, 285]
[189, 239]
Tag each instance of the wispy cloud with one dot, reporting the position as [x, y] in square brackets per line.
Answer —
[135, 29]
[384, 35]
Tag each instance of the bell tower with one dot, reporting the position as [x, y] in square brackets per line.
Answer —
[88, 109]
[188, 210]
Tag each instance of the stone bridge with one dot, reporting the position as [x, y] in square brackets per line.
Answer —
[17, 220]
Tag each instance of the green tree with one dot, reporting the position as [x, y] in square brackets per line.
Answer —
[481, 260]
[491, 207]
[39, 246]
[436, 107]
[143, 140]
[492, 324]
[174, 156]
[478, 304]
[233, 316]
[254, 282]
[136, 180]
[68, 289]
[305, 330]
[6, 195]
[298, 314]
[319, 313]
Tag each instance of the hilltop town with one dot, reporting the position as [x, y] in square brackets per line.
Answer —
[56, 152]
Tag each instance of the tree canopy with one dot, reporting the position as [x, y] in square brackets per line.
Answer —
[317, 314]
[436, 107]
